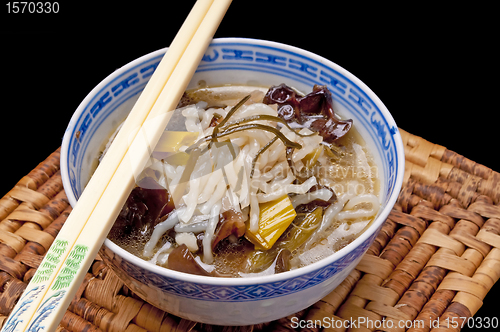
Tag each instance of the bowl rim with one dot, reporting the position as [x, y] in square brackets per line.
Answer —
[247, 281]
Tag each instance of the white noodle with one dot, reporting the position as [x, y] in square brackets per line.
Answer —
[210, 186]
[274, 185]
[362, 198]
[328, 217]
[156, 258]
[192, 119]
[206, 118]
[254, 109]
[262, 137]
[308, 143]
[288, 189]
[279, 169]
[305, 131]
[370, 199]
[160, 229]
[190, 199]
[262, 161]
[217, 195]
[360, 213]
[197, 180]
[289, 134]
[233, 179]
[248, 194]
[254, 211]
[239, 140]
[175, 181]
[276, 151]
[207, 267]
[169, 171]
[362, 164]
[194, 226]
[345, 230]
[209, 233]
[252, 190]
[332, 211]
[322, 194]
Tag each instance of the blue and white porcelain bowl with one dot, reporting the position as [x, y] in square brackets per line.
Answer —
[236, 301]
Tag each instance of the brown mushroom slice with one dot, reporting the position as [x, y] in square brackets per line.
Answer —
[231, 222]
[182, 260]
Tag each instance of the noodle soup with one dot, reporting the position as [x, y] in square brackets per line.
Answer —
[239, 300]
[250, 181]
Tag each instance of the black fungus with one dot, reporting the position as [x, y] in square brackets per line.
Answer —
[313, 111]
[144, 207]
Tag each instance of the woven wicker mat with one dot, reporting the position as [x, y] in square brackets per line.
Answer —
[435, 259]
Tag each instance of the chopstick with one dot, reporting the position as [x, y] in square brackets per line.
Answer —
[59, 275]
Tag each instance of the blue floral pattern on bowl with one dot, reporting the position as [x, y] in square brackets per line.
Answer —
[239, 293]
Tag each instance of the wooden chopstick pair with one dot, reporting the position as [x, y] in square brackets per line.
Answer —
[65, 264]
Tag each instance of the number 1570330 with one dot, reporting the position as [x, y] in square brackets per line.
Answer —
[31, 7]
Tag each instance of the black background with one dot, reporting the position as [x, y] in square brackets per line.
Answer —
[432, 66]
